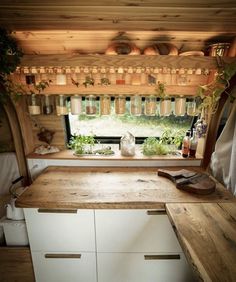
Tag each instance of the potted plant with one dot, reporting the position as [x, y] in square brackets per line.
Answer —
[152, 146]
[82, 144]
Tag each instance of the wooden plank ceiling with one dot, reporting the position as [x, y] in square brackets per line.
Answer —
[88, 26]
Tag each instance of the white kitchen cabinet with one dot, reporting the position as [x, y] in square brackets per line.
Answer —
[134, 231]
[64, 267]
[60, 232]
[132, 267]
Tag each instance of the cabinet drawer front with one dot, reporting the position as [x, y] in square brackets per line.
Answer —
[134, 231]
[61, 267]
[62, 231]
[129, 267]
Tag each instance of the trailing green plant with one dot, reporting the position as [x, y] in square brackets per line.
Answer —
[211, 92]
[10, 55]
[82, 144]
[88, 81]
[161, 89]
[152, 146]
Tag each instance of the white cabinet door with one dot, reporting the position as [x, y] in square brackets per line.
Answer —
[127, 267]
[134, 231]
[61, 231]
[61, 267]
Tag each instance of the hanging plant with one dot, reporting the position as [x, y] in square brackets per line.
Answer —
[211, 92]
[10, 55]
[161, 89]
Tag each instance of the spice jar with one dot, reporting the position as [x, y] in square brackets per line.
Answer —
[180, 106]
[136, 105]
[150, 108]
[165, 107]
[61, 105]
[105, 105]
[75, 104]
[127, 145]
[34, 104]
[47, 104]
[90, 103]
[120, 105]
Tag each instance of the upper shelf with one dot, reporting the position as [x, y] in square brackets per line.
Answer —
[176, 62]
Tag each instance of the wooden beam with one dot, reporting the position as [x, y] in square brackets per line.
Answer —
[124, 61]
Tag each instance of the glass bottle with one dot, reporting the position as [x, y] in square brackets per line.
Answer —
[150, 108]
[47, 104]
[165, 107]
[180, 106]
[185, 145]
[136, 105]
[105, 105]
[75, 104]
[120, 105]
[61, 105]
[90, 102]
[34, 104]
[193, 145]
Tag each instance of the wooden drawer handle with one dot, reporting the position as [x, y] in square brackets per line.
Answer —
[56, 211]
[63, 256]
[161, 257]
[156, 212]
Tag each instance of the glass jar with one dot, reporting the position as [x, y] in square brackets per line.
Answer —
[61, 105]
[136, 105]
[192, 107]
[120, 77]
[91, 107]
[165, 107]
[105, 105]
[120, 105]
[180, 106]
[75, 104]
[34, 104]
[150, 108]
[47, 105]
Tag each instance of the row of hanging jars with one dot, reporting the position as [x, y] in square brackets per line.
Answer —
[44, 104]
[112, 75]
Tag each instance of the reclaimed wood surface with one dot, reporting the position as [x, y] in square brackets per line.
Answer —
[105, 187]
[207, 233]
[16, 265]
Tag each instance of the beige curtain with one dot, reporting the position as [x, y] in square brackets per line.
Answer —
[223, 160]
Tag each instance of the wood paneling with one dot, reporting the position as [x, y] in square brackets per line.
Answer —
[16, 265]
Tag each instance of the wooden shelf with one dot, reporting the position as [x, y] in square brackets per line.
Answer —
[175, 62]
[171, 90]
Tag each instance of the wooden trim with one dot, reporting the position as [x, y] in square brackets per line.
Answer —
[156, 212]
[62, 256]
[214, 125]
[18, 140]
[161, 257]
[56, 211]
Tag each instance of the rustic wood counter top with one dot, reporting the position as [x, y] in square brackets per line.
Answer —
[101, 187]
[207, 233]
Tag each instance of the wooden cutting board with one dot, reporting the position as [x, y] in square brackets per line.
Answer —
[190, 181]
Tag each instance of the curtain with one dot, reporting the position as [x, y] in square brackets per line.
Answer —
[223, 160]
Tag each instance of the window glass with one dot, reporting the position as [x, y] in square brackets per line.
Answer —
[114, 125]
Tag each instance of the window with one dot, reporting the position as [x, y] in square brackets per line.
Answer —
[110, 128]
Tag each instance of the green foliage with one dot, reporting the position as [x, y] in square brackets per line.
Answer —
[88, 81]
[172, 137]
[105, 81]
[211, 92]
[82, 144]
[42, 85]
[161, 90]
[10, 53]
[152, 146]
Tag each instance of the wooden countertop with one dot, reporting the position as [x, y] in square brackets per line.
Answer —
[101, 187]
[207, 233]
